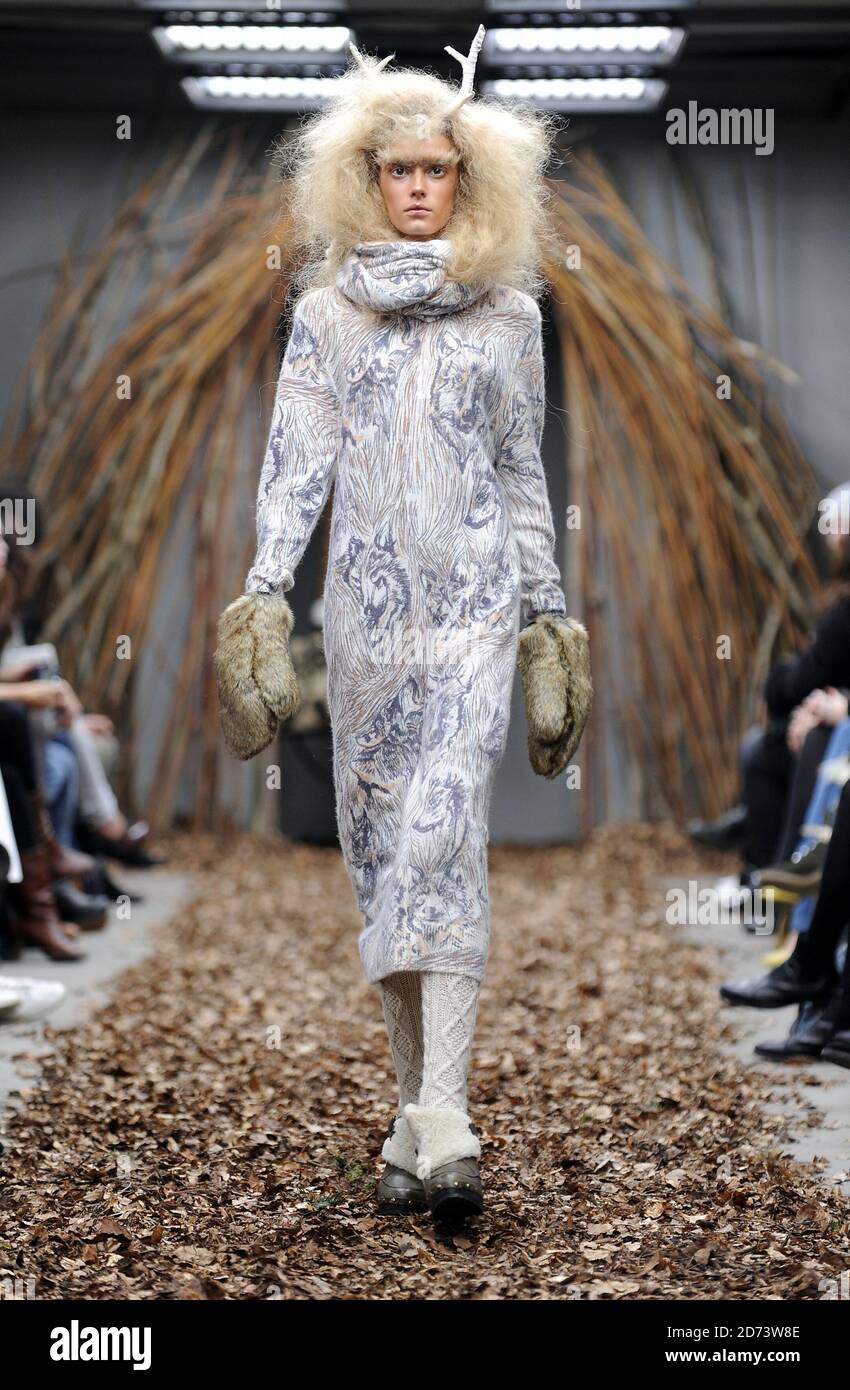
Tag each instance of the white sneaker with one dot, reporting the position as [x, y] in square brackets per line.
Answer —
[731, 892]
[9, 1001]
[27, 998]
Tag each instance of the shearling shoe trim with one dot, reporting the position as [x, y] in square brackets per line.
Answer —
[553, 657]
[257, 685]
[440, 1133]
[398, 1146]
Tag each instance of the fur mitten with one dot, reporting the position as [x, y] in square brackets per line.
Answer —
[553, 657]
[257, 685]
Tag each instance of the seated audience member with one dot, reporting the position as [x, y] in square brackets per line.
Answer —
[33, 910]
[22, 998]
[80, 799]
[806, 696]
[809, 974]
[801, 875]
[800, 871]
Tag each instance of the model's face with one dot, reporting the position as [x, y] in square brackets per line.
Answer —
[419, 187]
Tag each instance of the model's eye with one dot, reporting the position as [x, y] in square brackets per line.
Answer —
[438, 168]
[396, 168]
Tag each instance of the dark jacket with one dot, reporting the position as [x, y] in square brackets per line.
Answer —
[825, 662]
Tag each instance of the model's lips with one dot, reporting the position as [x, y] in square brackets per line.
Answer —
[417, 209]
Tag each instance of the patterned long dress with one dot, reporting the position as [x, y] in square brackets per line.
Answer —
[422, 400]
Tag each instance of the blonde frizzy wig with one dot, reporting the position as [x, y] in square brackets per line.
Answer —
[500, 229]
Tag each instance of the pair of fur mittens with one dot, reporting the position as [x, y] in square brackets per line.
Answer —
[257, 685]
[553, 657]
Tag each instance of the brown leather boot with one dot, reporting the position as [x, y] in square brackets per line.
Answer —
[64, 862]
[35, 917]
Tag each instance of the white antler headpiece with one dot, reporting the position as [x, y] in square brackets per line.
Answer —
[365, 67]
[468, 65]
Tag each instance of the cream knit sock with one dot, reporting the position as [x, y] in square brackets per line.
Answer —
[449, 1012]
[401, 996]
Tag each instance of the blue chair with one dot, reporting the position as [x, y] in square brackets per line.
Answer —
[833, 772]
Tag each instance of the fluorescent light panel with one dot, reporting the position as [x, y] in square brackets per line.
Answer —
[598, 94]
[245, 93]
[219, 7]
[266, 43]
[587, 7]
[656, 44]
[608, 94]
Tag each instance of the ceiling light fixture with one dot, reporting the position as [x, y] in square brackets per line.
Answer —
[607, 94]
[655, 44]
[281, 43]
[225, 92]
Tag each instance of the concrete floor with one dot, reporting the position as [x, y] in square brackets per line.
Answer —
[120, 944]
[741, 954]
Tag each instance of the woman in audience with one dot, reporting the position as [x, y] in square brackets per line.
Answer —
[81, 801]
[809, 974]
[35, 914]
[806, 696]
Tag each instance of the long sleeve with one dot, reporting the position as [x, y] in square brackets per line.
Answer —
[519, 466]
[300, 457]
[825, 662]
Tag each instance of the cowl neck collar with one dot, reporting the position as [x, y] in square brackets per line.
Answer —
[406, 277]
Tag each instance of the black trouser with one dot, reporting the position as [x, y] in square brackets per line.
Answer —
[803, 780]
[21, 811]
[17, 764]
[816, 947]
[16, 741]
[777, 788]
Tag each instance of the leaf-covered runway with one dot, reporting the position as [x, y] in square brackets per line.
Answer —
[215, 1131]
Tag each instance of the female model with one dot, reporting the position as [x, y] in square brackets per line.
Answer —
[413, 379]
